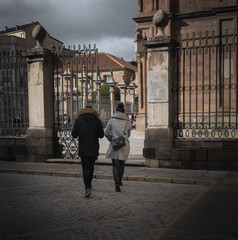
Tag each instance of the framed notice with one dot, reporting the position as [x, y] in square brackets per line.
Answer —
[158, 86]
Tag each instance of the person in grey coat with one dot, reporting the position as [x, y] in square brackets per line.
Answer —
[118, 125]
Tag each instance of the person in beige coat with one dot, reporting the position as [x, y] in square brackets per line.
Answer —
[118, 125]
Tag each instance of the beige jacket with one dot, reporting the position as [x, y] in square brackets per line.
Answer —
[118, 123]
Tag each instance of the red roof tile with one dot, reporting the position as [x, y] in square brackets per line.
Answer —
[106, 60]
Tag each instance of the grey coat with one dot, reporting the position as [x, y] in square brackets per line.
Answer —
[114, 129]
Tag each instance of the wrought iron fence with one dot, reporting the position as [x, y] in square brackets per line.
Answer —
[76, 85]
[14, 117]
[205, 92]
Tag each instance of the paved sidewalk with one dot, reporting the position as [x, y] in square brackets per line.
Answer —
[155, 203]
[199, 177]
[212, 213]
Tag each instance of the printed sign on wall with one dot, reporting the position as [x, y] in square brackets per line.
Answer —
[158, 86]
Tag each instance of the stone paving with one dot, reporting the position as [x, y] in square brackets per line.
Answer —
[45, 201]
[45, 207]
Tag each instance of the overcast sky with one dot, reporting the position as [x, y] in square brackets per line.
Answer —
[108, 23]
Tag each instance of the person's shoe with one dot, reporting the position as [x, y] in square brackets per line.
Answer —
[91, 187]
[118, 189]
[87, 193]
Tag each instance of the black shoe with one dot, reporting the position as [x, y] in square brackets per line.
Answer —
[118, 188]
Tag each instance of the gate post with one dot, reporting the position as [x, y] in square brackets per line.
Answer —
[40, 90]
[159, 133]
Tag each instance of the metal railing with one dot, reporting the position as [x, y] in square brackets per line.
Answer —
[76, 85]
[205, 92]
[14, 117]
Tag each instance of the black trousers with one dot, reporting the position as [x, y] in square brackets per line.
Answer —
[118, 170]
[88, 170]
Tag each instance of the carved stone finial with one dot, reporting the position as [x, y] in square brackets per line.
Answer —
[39, 34]
[160, 20]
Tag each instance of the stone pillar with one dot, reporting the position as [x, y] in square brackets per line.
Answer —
[112, 97]
[40, 98]
[159, 133]
[122, 86]
[132, 87]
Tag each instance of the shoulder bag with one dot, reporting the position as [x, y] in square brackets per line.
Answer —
[119, 142]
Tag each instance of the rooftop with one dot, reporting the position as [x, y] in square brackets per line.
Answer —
[17, 27]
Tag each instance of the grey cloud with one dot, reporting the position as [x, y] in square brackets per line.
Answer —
[74, 21]
[13, 12]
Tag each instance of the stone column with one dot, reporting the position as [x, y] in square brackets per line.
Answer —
[112, 97]
[122, 86]
[159, 133]
[40, 98]
[132, 87]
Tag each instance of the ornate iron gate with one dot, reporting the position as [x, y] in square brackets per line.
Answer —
[206, 89]
[76, 85]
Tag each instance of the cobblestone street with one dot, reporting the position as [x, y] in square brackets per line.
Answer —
[52, 208]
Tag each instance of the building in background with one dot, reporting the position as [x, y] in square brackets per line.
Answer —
[187, 80]
[118, 66]
[20, 38]
[187, 19]
[80, 77]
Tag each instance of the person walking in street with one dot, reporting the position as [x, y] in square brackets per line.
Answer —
[117, 126]
[88, 128]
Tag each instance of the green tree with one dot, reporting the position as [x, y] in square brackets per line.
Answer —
[117, 93]
[105, 92]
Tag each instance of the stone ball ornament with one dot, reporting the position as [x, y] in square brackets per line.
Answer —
[160, 20]
[39, 34]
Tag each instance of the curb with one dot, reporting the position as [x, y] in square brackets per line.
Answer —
[104, 176]
[97, 162]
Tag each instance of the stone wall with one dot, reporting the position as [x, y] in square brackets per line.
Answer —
[13, 149]
[195, 154]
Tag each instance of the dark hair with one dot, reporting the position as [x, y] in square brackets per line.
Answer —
[120, 107]
[88, 106]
